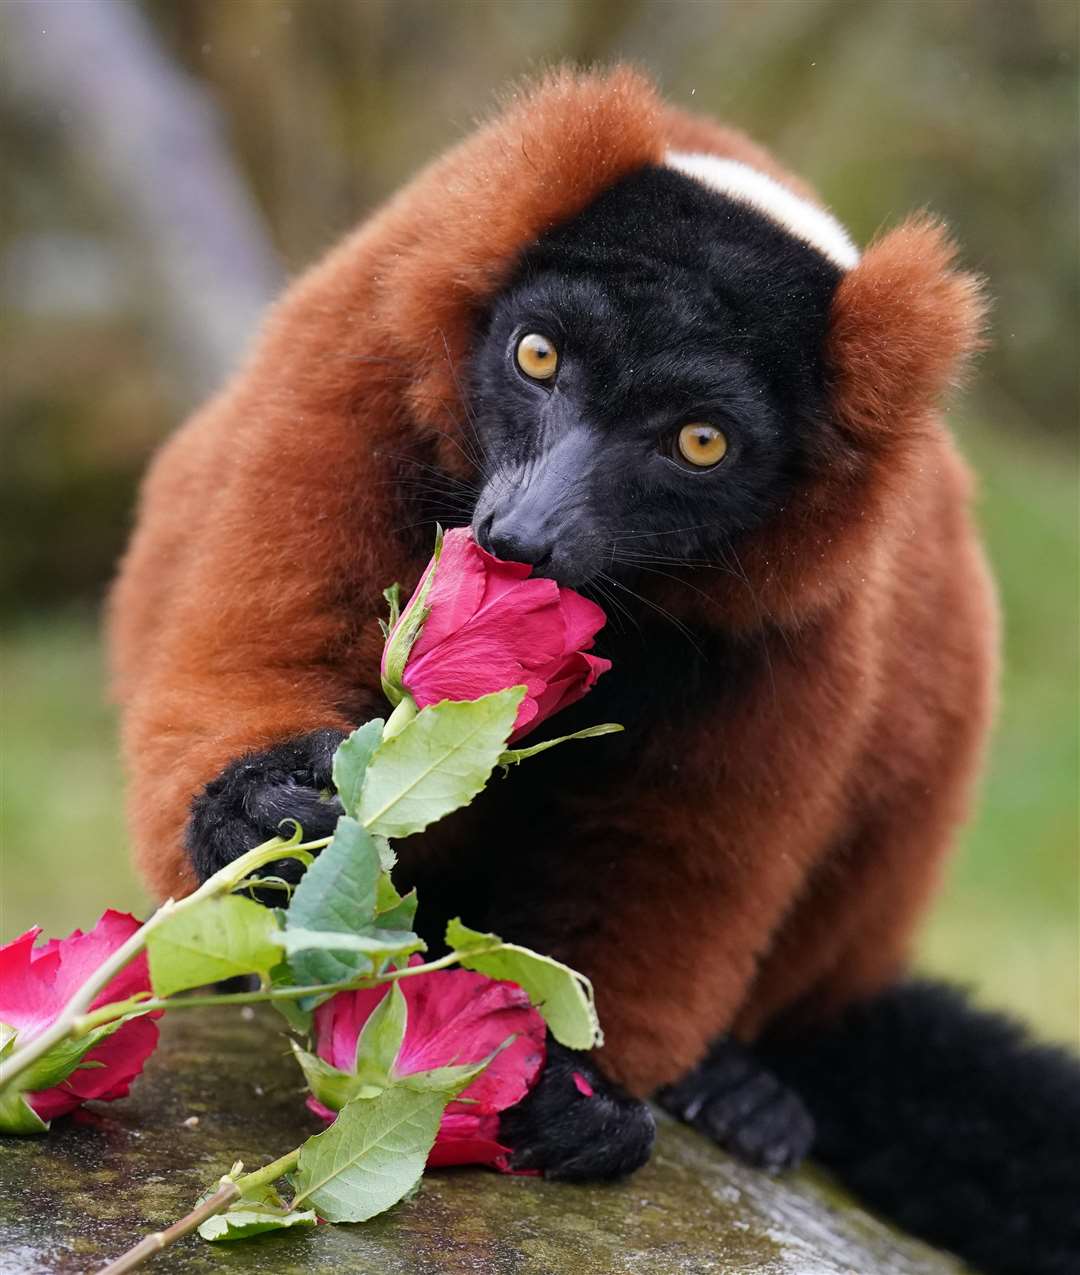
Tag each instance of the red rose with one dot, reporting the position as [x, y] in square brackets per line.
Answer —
[455, 1017]
[36, 984]
[491, 625]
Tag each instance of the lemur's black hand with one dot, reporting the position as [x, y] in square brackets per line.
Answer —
[733, 1099]
[575, 1135]
[247, 802]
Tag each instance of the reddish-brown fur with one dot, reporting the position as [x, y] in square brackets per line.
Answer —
[783, 874]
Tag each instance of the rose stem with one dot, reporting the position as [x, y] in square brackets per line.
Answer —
[157, 1240]
[400, 717]
[229, 1191]
[87, 1022]
[221, 882]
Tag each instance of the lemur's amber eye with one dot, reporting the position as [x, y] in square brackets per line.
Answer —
[702, 445]
[537, 356]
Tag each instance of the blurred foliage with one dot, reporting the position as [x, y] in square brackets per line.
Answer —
[967, 108]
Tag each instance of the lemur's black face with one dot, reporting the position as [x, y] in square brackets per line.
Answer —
[645, 386]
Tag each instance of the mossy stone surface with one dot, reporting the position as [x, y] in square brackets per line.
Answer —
[222, 1087]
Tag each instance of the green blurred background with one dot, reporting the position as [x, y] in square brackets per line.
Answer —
[169, 163]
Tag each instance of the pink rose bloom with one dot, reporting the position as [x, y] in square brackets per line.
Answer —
[455, 1017]
[36, 984]
[492, 625]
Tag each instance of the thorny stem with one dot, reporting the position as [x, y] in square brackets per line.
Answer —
[76, 1018]
[269, 1173]
[222, 882]
[230, 1190]
[140, 1004]
[157, 1240]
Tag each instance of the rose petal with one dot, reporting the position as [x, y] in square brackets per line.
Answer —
[466, 670]
[582, 1085]
[123, 1054]
[582, 620]
[26, 1002]
[36, 983]
[455, 1017]
[492, 625]
[81, 954]
[575, 679]
[457, 592]
[465, 1139]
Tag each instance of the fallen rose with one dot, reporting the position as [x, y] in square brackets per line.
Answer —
[454, 1017]
[490, 625]
[37, 982]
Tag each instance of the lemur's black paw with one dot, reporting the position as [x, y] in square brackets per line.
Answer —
[576, 1125]
[744, 1108]
[246, 804]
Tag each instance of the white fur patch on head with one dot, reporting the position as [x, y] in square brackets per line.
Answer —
[804, 220]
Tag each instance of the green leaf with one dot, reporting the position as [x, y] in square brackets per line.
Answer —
[379, 1042]
[562, 995]
[338, 892]
[512, 756]
[437, 764]
[451, 1079]
[267, 1211]
[370, 949]
[387, 857]
[406, 627]
[17, 1116]
[401, 917]
[244, 1220]
[298, 1018]
[220, 938]
[54, 1066]
[46, 1072]
[333, 1087]
[351, 762]
[371, 1156]
[393, 598]
[394, 911]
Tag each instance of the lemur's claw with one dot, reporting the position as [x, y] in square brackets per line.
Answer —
[247, 803]
[576, 1125]
[743, 1108]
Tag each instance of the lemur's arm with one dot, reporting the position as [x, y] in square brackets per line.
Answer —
[215, 767]
[265, 573]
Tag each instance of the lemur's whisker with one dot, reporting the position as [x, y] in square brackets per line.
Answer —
[675, 531]
[655, 606]
[634, 559]
[654, 571]
[430, 522]
[480, 460]
[432, 469]
[620, 607]
[621, 615]
[762, 616]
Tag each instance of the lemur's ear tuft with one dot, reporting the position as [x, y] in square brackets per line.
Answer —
[903, 323]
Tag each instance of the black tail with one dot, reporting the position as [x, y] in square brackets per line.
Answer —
[951, 1122]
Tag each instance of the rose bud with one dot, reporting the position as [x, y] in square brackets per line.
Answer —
[485, 625]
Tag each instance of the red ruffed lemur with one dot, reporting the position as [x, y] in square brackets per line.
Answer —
[630, 349]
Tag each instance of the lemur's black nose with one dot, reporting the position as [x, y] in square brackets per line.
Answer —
[511, 539]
